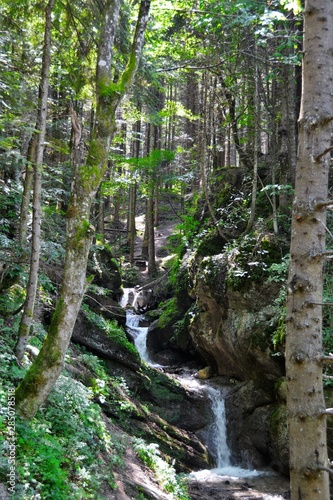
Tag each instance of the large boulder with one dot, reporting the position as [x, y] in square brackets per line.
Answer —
[232, 329]
[105, 270]
[154, 406]
[117, 349]
[249, 410]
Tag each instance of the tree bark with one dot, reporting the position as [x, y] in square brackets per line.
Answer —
[152, 269]
[131, 221]
[42, 375]
[256, 146]
[38, 145]
[305, 400]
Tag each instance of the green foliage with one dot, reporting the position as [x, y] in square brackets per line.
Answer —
[130, 276]
[53, 235]
[59, 453]
[208, 242]
[165, 473]
[10, 371]
[279, 336]
[234, 212]
[212, 272]
[151, 164]
[11, 299]
[276, 189]
[278, 273]
[180, 282]
[66, 450]
[10, 197]
[250, 257]
[169, 311]
[188, 228]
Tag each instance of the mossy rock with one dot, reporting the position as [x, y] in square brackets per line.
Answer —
[279, 436]
[105, 269]
[210, 244]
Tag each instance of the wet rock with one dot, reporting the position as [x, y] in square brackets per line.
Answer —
[256, 427]
[264, 487]
[205, 373]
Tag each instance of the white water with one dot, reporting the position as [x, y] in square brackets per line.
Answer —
[218, 432]
[216, 436]
[138, 333]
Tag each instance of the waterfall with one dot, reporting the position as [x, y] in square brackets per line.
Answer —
[137, 332]
[217, 435]
[139, 335]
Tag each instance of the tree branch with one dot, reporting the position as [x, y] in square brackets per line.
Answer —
[328, 359]
[326, 469]
[323, 204]
[328, 412]
[327, 150]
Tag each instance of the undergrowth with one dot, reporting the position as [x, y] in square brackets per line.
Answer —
[70, 449]
[165, 473]
[66, 451]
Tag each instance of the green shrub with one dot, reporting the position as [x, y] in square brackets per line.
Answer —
[59, 453]
[169, 311]
[165, 473]
[250, 258]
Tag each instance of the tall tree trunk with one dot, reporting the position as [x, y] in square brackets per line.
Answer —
[152, 269]
[256, 144]
[26, 196]
[45, 370]
[305, 400]
[202, 154]
[131, 221]
[38, 139]
[287, 135]
[145, 240]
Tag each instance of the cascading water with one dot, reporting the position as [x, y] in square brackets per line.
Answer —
[139, 335]
[216, 435]
[137, 332]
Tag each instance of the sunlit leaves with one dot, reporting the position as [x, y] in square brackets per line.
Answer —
[294, 5]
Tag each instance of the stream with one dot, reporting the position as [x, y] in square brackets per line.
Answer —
[215, 435]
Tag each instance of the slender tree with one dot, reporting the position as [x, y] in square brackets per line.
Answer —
[37, 146]
[305, 400]
[44, 372]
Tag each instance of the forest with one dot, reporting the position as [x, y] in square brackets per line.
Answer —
[166, 282]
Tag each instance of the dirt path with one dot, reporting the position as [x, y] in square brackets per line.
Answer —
[162, 233]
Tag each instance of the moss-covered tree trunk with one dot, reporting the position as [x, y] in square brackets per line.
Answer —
[42, 375]
[305, 400]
